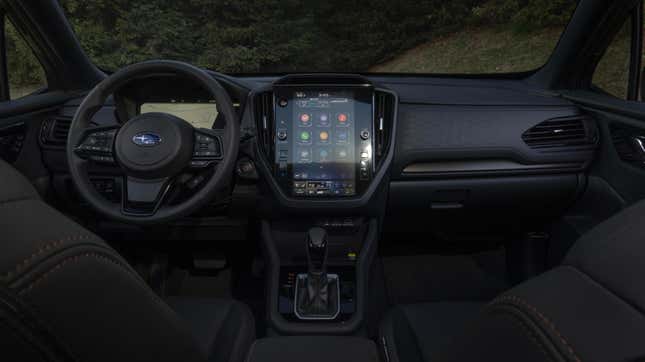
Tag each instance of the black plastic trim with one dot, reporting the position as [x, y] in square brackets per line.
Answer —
[476, 168]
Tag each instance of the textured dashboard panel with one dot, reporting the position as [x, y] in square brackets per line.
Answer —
[447, 132]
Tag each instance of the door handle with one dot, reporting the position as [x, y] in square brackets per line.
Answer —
[638, 144]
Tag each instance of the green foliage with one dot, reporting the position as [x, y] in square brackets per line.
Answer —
[260, 35]
[279, 35]
[25, 73]
[525, 15]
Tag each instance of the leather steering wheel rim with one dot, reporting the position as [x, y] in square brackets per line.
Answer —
[95, 100]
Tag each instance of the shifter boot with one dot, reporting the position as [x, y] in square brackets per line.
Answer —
[317, 296]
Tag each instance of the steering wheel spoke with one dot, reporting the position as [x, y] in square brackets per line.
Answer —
[97, 144]
[207, 149]
[144, 197]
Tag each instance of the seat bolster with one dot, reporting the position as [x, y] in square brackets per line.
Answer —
[561, 315]
[612, 254]
[15, 186]
[224, 328]
[83, 292]
[32, 232]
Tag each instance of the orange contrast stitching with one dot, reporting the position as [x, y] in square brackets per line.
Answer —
[63, 263]
[518, 300]
[48, 246]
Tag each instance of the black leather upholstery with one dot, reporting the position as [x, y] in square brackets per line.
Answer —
[591, 308]
[64, 293]
[313, 349]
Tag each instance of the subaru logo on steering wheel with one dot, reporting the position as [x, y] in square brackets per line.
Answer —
[146, 139]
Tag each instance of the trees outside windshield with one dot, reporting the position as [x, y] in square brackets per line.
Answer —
[410, 36]
[274, 36]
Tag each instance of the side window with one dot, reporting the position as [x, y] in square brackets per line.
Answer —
[24, 72]
[612, 73]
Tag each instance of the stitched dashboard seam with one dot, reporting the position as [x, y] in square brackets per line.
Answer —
[522, 303]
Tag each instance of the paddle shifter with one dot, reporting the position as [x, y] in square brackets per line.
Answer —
[317, 291]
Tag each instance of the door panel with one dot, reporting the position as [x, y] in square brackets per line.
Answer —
[20, 125]
[617, 175]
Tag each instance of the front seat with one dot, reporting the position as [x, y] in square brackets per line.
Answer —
[591, 308]
[65, 295]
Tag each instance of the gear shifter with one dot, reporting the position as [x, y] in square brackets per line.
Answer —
[317, 292]
[317, 251]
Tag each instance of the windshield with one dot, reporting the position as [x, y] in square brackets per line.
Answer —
[274, 36]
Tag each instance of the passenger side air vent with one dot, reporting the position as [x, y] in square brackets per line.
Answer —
[265, 118]
[54, 131]
[383, 120]
[570, 132]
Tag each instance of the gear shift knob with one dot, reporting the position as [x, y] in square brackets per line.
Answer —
[317, 249]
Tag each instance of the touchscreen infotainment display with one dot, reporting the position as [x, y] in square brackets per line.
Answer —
[324, 148]
[323, 143]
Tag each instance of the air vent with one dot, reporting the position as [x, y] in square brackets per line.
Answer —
[264, 117]
[577, 132]
[54, 131]
[383, 118]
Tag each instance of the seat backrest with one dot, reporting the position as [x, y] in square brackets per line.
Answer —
[591, 308]
[66, 295]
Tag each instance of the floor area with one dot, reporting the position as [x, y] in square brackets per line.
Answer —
[432, 277]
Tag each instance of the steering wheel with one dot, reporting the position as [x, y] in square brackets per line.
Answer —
[152, 149]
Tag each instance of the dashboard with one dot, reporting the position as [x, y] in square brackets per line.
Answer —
[352, 144]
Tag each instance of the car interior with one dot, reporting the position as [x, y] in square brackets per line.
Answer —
[167, 211]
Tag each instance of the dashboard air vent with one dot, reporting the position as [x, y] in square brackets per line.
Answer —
[383, 119]
[578, 132]
[264, 117]
[54, 131]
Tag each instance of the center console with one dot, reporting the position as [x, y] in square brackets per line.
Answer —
[324, 145]
[314, 290]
